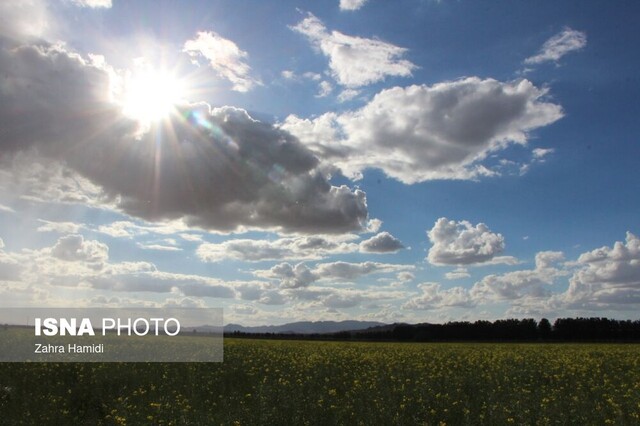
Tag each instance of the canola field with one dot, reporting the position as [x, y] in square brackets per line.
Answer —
[269, 382]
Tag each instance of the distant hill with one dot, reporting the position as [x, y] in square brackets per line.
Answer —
[305, 327]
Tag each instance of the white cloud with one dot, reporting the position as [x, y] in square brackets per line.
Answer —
[244, 310]
[291, 75]
[383, 242]
[313, 76]
[353, 271]
[324, 89]
[351, 4]
[83, 265]
[300, 275]
[225, 57]
[93, 3]
[405, 276]
[461, 243]
[559, 45]
[6, 209]
[280, 249]
[420, 133]
[434, 297]
[290, 276]
[158, 247]
[119, 229]
[347, 95]
[541, 153]
[288, 74]
[75, 248]
[608, 277]
[59, 227]
[193, 238]
[531, 283]
[340, 298]
[457, 274]
[355, 61]
[184, 302]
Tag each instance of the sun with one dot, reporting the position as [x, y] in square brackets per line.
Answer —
[151, 95]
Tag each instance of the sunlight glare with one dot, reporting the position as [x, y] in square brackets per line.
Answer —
[151, 95]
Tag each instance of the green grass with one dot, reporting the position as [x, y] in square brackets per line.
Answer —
[293, 382]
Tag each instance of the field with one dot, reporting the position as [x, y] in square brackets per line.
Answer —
[296, 383]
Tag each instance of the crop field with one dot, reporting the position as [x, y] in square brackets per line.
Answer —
[296, 383]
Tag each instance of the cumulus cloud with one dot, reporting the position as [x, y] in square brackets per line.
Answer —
[405, 276]
[225, 57]
[461, 243]
[352, 271]
[219, 169]
[256, 250]
[532, 283]
[608, 277]
[290, 276]
[556, 47]
[383, 242]
[355, 61]
[76, 262]
[82, 267]
[351, 4]
[75, 248]
[433, 297]
[302, 276]
[421, 133]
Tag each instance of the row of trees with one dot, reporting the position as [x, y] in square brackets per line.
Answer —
[509, 330]
[563, 329]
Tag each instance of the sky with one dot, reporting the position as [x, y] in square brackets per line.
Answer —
[392, 161]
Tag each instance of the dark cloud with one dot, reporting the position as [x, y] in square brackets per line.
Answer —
[217, 169]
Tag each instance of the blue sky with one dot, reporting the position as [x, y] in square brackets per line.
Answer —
[296, 160]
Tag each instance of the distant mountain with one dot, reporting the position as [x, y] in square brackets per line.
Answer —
[305, 327]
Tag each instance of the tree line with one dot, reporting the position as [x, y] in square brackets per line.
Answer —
[507, 330]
